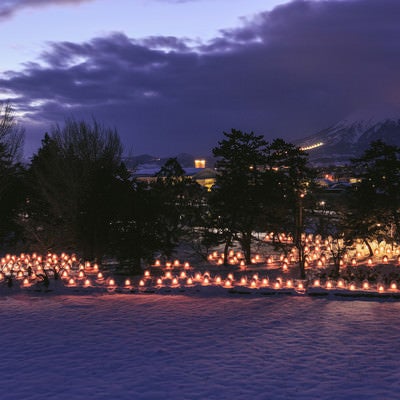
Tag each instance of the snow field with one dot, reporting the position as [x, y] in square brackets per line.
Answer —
[197, 347]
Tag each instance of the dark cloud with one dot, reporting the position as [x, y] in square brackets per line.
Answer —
[287, 73]
[9, 7]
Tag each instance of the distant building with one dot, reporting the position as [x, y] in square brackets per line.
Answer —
[200, 163]
[202, 175]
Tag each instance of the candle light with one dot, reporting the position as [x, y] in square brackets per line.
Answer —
[87, 283]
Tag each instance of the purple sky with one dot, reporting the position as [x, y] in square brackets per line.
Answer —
[169, 85]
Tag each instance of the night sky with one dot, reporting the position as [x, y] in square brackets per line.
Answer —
[172, 75]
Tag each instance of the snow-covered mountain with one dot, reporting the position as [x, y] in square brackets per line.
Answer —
[351, 136]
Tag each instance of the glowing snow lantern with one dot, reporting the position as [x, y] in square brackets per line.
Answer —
[100, 276]
[189, 281]
[218, 280]
[284, 267]
[168, 265]
[353, 261]
[210, 257]
[253, 284]
[228, 283]
[220, 261]
[243, 280]
[147, 274]
[230, 276]
[186, 265]
[71, 282]
[206, 281]
[25, 282]
[157, 263]
[352, 286]
[87, 283]
[385, 259]
[316, 282]
[329, 285]
[381, 288]
[277, 285]
[393, 286]
[265, 281]
[198, 276]
[159, 281]
[182, 275]
[300, 286]
[111, 282]
[64, 274]
[141, 282]
[255, 277]
[365, 285]
[289, 283]
[168, 275]
[174, 281]
[269, 260]
[81, 274]
[369, 262]
[340, 283]
[127, 282]
[177, 263]
[242, 263]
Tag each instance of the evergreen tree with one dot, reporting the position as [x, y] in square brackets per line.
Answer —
[295, 183]
[375, 200]
[72, 178]
[237, 201]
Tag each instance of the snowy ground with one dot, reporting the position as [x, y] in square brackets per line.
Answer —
[197, 347]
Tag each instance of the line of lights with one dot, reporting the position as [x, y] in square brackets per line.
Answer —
[312, 146]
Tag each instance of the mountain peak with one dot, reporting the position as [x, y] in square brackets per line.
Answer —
[351, 136]
[365, 119]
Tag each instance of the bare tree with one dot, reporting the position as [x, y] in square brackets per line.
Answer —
[11, 171]
[11, 135]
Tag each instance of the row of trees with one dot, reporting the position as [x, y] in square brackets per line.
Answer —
[77, 195]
